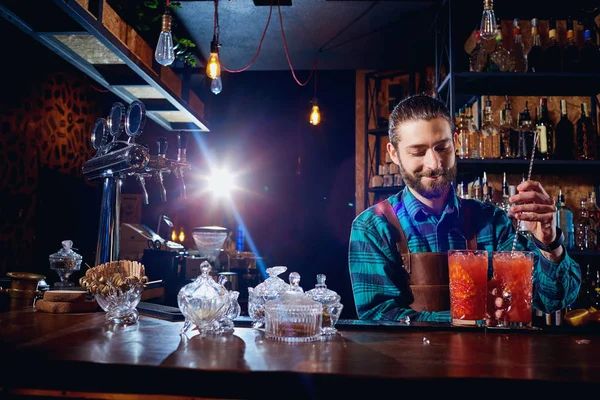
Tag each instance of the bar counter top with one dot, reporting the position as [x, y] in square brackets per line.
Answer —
[80, 353]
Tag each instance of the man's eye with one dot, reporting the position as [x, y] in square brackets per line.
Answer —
[418, 154]
[445, 148]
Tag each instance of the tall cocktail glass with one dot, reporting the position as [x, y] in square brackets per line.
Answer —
[468, 271]
[511, 289]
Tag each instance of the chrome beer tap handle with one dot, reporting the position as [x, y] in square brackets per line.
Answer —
[142, 181]
[181, 164]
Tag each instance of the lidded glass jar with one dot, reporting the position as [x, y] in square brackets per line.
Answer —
[293, 317]
[64, 262]
[203, 301]
[332, 308]
[270, 289]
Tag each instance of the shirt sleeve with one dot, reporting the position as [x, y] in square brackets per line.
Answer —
[379, 283]
[555, 284]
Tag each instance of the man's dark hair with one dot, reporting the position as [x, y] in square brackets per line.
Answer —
[414, 108]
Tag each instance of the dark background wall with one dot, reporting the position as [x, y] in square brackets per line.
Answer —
[296, 181]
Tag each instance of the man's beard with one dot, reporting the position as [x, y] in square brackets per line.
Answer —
[435, 189]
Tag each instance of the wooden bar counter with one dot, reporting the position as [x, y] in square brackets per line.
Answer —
[78, 354]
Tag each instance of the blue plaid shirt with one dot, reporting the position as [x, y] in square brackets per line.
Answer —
[373, 255]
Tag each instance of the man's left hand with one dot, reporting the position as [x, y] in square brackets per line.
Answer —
[536, 209]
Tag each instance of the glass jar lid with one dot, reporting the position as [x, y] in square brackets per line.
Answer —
[66, 254]
[273, 286]
[294, 299]
[320, 293]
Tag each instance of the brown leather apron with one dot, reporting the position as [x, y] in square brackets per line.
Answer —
[428, 271]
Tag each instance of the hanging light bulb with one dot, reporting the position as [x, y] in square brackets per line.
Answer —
[488, 25]
[315, 115]
[181, 236]
[174, 235]
[216, 85]
[213, 67]
[164, 54]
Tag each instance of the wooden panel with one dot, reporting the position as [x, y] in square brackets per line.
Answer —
[139, 47]
[114, 23]
[168, 77]
[196, 105]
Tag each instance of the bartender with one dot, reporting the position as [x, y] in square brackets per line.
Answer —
[408, 234]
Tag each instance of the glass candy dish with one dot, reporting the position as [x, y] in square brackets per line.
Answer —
[293, 317]
[64, 262]
[117, 287]
[332, 308]
[203, 302]
[270, 289]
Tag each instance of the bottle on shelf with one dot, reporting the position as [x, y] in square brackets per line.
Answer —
[589, 53]
[564, 135]
[517, 51]
[490, 133]
[593, 213]
[545, 130]
[582, 228]
[564, 220]
[479, 57]
[504, 203]
[500, 58]
[474, 135]
[585, 134]
[571, 50]
[526, 133]
[462, 146]
[534, 57]
[552, 58]
[508, 133]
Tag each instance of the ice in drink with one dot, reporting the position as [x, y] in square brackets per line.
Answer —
[511, 288]
[468, 271]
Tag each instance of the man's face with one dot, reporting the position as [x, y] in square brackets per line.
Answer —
[426, 157]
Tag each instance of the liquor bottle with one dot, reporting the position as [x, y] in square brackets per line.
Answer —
[474, 135]
[545, 130]
[504, 203]
[462, 148]
[479, 57]
[490, 135]
[501, 59]
[589, 53]
[571, 50]
[552, 59]
[526, 133]
[593, 212]
[564, 135]
[564, 220]
[534, 57]
[585, 134]
[582, 227]
[517, 51]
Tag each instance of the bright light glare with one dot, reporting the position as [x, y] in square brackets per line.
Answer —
[220, 183]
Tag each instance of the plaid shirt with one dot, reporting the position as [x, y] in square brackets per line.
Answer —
[373, 255]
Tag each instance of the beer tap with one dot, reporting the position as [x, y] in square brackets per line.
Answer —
[161, 166]
[181, 164]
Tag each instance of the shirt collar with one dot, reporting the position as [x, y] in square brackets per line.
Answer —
[418, 211]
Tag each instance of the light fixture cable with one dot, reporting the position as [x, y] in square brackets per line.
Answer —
[287, 55]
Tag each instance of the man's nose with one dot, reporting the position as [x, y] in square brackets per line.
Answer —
[432, 160]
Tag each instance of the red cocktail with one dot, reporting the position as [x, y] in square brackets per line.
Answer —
[468, 271]
[512, 291]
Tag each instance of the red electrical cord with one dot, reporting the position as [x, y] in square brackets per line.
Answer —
[259, 45]
[288, 56]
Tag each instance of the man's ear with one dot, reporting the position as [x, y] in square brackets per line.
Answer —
[393, 153]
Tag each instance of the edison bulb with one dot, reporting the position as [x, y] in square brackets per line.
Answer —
[174, 236]
[315, 115]
[213, 68]
[165, 54]
[488, 28]
[216, 85]
[181, 236]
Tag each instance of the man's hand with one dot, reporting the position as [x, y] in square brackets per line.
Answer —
[537, 210]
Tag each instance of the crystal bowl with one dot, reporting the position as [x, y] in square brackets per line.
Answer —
[121, 306]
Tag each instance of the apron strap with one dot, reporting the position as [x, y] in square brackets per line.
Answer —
[402, 245]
